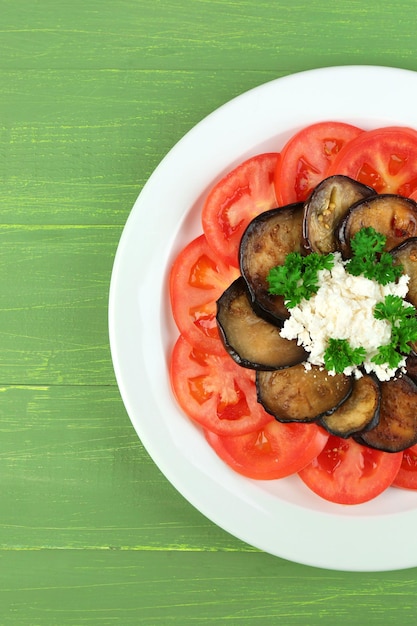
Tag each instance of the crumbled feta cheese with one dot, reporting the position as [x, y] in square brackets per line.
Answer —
[343, 308]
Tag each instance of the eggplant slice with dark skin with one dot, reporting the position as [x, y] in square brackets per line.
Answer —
[406, 255]
[411, 366]
[297, 394]
[391, 215]
[359, 412]
[249, 339]
[381, 415]
[397, 427]
[265, 243]
[327, 205]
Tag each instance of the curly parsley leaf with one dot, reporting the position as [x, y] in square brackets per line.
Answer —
[367, 241]
[402, 317]
[393, 309]
[369, 258]
[339, 355]
[298, 277]
[387, 355]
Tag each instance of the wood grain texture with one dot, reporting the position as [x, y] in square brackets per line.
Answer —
[77, 147]
[93, 94]
[79, 587]
[74, 475]
[206, 34]
[53, 312]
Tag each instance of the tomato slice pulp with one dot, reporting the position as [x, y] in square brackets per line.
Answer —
[346, 472]
[214, 391]
[197, 280]
[273, 451]
[307, 157]
[407, 476]
[384, 158]
[235, 200]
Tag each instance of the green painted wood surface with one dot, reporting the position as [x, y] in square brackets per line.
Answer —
[93, 94]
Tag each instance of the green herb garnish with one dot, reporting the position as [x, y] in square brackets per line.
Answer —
[297, 278]
[339, 355]
[369, 258]
[403, 320]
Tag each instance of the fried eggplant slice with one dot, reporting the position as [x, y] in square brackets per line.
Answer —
[397, 427]
[265, 243]
[249, 339]
[389, 214]
[297, 394]
[406, 255]
[325, 208]
[411, 366]
[359, 412]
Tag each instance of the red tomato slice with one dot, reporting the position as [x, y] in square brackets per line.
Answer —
[407, 476]
[306, 158]
[274, 451]
[214, 391]
[347, 473]
[384, 158]
[233, 202]
[197, 280]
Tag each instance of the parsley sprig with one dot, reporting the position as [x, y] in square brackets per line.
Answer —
[297, 278]
[369, 258]
[340, 355]
[403, 320]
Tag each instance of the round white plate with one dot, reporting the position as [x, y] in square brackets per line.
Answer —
[280, 517]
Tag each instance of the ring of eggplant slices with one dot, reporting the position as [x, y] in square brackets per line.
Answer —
[381, 415]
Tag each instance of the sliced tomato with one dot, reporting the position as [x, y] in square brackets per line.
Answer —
[407, 476]
[233, 202]
[214, 391]
[307, 156]
[347, 473]
[384, 158]
[197, 280]
[274, 451]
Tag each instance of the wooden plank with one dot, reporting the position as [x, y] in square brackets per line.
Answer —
[74, 475]
[203, 34]
[92, 96]
[153, 588]
[79, 146]
[53, 309]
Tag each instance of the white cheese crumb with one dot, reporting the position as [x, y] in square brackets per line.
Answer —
[343, 308]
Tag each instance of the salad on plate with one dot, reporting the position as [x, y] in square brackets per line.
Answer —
[295, 310]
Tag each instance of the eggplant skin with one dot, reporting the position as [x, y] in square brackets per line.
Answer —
[327, 205]
[406, 255]
[379, 415]
[411, 367]
[397, 427]
[265, 244]
[250, 340]
[359, 412]
[389, 214]
[300, 394]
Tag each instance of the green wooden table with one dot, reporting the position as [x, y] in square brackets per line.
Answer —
[93, 94]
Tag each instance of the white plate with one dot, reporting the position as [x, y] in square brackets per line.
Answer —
[280, 517]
